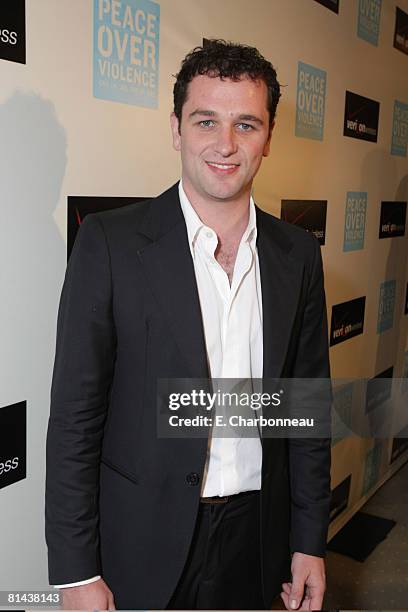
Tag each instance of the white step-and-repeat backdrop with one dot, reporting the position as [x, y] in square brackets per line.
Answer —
[86, 93]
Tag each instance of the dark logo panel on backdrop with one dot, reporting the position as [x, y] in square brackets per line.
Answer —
[347, 320]
[309, 214]
[361, 117]
[80, 206]
[340, 497]
[13, 437]
[333, 5]
[399, 444]
[12, 31]
[392, 219]
[406, 301]
[401, 31]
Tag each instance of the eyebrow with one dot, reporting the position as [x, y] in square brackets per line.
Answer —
[210, 113]
[251, 118]
[205, 113]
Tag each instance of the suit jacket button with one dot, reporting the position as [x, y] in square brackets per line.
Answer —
[193, 479]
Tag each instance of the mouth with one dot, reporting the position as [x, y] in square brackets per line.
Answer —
[219, 168]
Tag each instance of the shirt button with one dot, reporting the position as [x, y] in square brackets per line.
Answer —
[209, 234]
[193, 479]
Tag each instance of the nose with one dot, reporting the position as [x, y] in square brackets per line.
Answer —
[226, 144]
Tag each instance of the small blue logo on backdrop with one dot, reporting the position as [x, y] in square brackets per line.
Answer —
[355, 220]
[342, 412]
[386, 306]
[369, 14]
[126, 51]
[399, 129]
[310, 102]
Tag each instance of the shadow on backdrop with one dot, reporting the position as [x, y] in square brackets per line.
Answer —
[32, 255]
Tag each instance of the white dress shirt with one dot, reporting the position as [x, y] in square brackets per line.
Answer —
[232, 321]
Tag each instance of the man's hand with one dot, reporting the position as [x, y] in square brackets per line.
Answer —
[306, 590]
[93, 596]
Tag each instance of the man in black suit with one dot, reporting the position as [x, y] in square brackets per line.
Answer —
[196, 283]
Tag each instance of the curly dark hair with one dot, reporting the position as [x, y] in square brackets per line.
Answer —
[226, 60]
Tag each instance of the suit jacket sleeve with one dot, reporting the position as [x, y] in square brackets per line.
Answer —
[83, 370]
[310, 458]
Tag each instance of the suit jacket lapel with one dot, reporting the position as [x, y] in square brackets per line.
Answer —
[170, 273]
[281, 278]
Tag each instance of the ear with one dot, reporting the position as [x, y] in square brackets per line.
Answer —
[174, 122]
[267, 146]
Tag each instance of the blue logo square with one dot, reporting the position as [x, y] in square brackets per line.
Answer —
[386, 305]
[355, 220]
[126, 51]
[369, 15]
[310, 102]
[399, 129]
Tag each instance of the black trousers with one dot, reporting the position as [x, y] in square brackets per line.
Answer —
[223, 568]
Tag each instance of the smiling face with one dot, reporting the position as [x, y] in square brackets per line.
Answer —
[224, 134]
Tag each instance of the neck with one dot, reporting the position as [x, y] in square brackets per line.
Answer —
[228, 218]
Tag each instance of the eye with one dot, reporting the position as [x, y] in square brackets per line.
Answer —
[245, 127]
[206, 123]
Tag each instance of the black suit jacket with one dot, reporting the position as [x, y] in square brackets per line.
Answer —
[120, 501]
